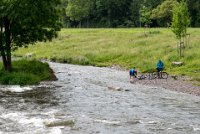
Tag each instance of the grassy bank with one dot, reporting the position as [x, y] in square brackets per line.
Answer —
[26, 72]
[125, 47]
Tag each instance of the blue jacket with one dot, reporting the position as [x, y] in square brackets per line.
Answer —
[133, 72]
[160, 64]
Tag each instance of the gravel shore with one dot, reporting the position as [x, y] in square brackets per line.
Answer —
[181, 84]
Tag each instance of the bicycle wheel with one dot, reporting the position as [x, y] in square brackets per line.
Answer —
[164, 75]
[151, 76]
[155, 75]
[147, 76]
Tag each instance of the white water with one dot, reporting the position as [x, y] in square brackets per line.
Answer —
[16, 88]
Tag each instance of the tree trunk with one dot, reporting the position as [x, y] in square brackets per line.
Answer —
[8, 66]
[2, 46]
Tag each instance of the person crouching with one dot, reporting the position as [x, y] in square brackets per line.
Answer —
[133, 73]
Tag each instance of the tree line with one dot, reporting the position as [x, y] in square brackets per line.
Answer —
[124, 13]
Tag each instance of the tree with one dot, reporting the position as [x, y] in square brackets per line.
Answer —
[25, 22]
[78, 9]
[113, 13]
[152, 3]
[135, 12]
[194, 9]
[145, 15]
[145, 18]
[163, 12]
[180, 22]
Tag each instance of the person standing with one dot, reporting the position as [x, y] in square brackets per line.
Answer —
[160, 66]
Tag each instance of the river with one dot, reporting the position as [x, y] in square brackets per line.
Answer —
[93, 100]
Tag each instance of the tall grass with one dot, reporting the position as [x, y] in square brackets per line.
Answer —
[25, 72]
[125, 47]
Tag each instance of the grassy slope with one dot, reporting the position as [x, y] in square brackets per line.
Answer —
[125, 47]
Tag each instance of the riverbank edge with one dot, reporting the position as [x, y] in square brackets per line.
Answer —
[182, 84]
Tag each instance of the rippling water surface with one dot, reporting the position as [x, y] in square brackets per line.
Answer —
[89, 100]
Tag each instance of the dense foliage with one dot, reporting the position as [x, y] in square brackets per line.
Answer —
[24, 22]
[123, 13]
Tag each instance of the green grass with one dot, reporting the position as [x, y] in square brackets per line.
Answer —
[25, 72]
[125, 47]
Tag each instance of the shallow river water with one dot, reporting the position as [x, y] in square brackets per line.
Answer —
[92, 100]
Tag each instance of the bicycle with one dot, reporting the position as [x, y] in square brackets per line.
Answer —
[158, 75]
[143, 76]
[153, 75]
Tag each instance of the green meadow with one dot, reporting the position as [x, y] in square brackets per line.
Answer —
[123, 47]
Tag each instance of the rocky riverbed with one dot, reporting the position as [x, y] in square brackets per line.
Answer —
[90, 100]
[180, 84]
